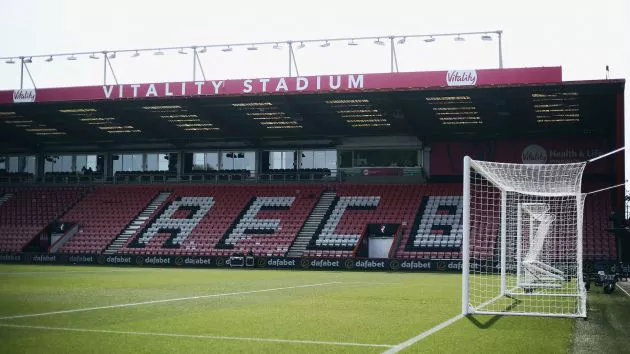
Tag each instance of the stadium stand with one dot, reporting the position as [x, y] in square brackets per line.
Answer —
[363, 205]
[598, 243]
[289, 172]
[30, 210]
[440, 202]
[4, 196]
[261, 219]
[439, 228]
[228, 219]
[103, 214]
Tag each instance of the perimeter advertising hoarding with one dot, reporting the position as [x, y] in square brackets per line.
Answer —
[397, 265]
[225, 262]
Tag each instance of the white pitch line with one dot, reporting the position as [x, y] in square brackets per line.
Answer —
[200, 336]
[622, 289]
[400, 346]
[369, 283]
[165, 300]
[53, 272]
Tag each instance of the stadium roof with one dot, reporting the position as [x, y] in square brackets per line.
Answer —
[430, 105]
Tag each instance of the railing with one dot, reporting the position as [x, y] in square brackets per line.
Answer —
[10, 178]
[396, 243]
[217, 177]
[72, 178]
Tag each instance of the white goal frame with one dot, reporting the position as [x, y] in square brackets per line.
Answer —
[531, 287]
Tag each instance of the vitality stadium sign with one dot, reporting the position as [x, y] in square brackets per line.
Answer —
[220, 87]
[289, 85]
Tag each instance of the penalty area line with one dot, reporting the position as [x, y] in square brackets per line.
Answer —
[199, 336]
[167, 300]
[411, 341]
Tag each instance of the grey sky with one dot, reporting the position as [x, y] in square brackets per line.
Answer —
[581, 36]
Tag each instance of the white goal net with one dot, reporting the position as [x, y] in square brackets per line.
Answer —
[522, 247]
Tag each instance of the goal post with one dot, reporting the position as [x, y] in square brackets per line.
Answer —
[522, 239]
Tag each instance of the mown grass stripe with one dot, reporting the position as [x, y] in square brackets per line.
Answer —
[165, 300]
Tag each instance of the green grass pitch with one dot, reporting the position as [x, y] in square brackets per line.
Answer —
[272, 311]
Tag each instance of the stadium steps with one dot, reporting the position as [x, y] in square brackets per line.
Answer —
[137, 223]
[5, 197]
[310, 226]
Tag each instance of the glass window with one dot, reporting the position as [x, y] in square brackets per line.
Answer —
[331, 160]
[275, 160]
[163, 162]
[136, 162]
[212, 161]
[199, 161]
[65, 163]
[81, 162]
[227, 161]
[48, 165]
[152, 162]
[30, 164]
[117, 163]
[3, 163]
[281, 160]
[127, 162]
[360, 158]
[307, 160]
[249, 161]
[61, 163]
[238, 160]
[208, 161]
[288, 160]
[319, 159]
[385, 158]
[90, 162]
[14, 164]
[345, 159]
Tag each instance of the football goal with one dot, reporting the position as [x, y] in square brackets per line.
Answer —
[522, 243]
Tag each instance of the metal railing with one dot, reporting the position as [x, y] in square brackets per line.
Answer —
[297, 176]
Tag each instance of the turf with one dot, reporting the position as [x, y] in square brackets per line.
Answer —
[348, 307]
[607, 329]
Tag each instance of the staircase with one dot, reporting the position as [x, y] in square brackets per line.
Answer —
[136, 224]
[59, 238]
[5, 197]
[310, 226]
